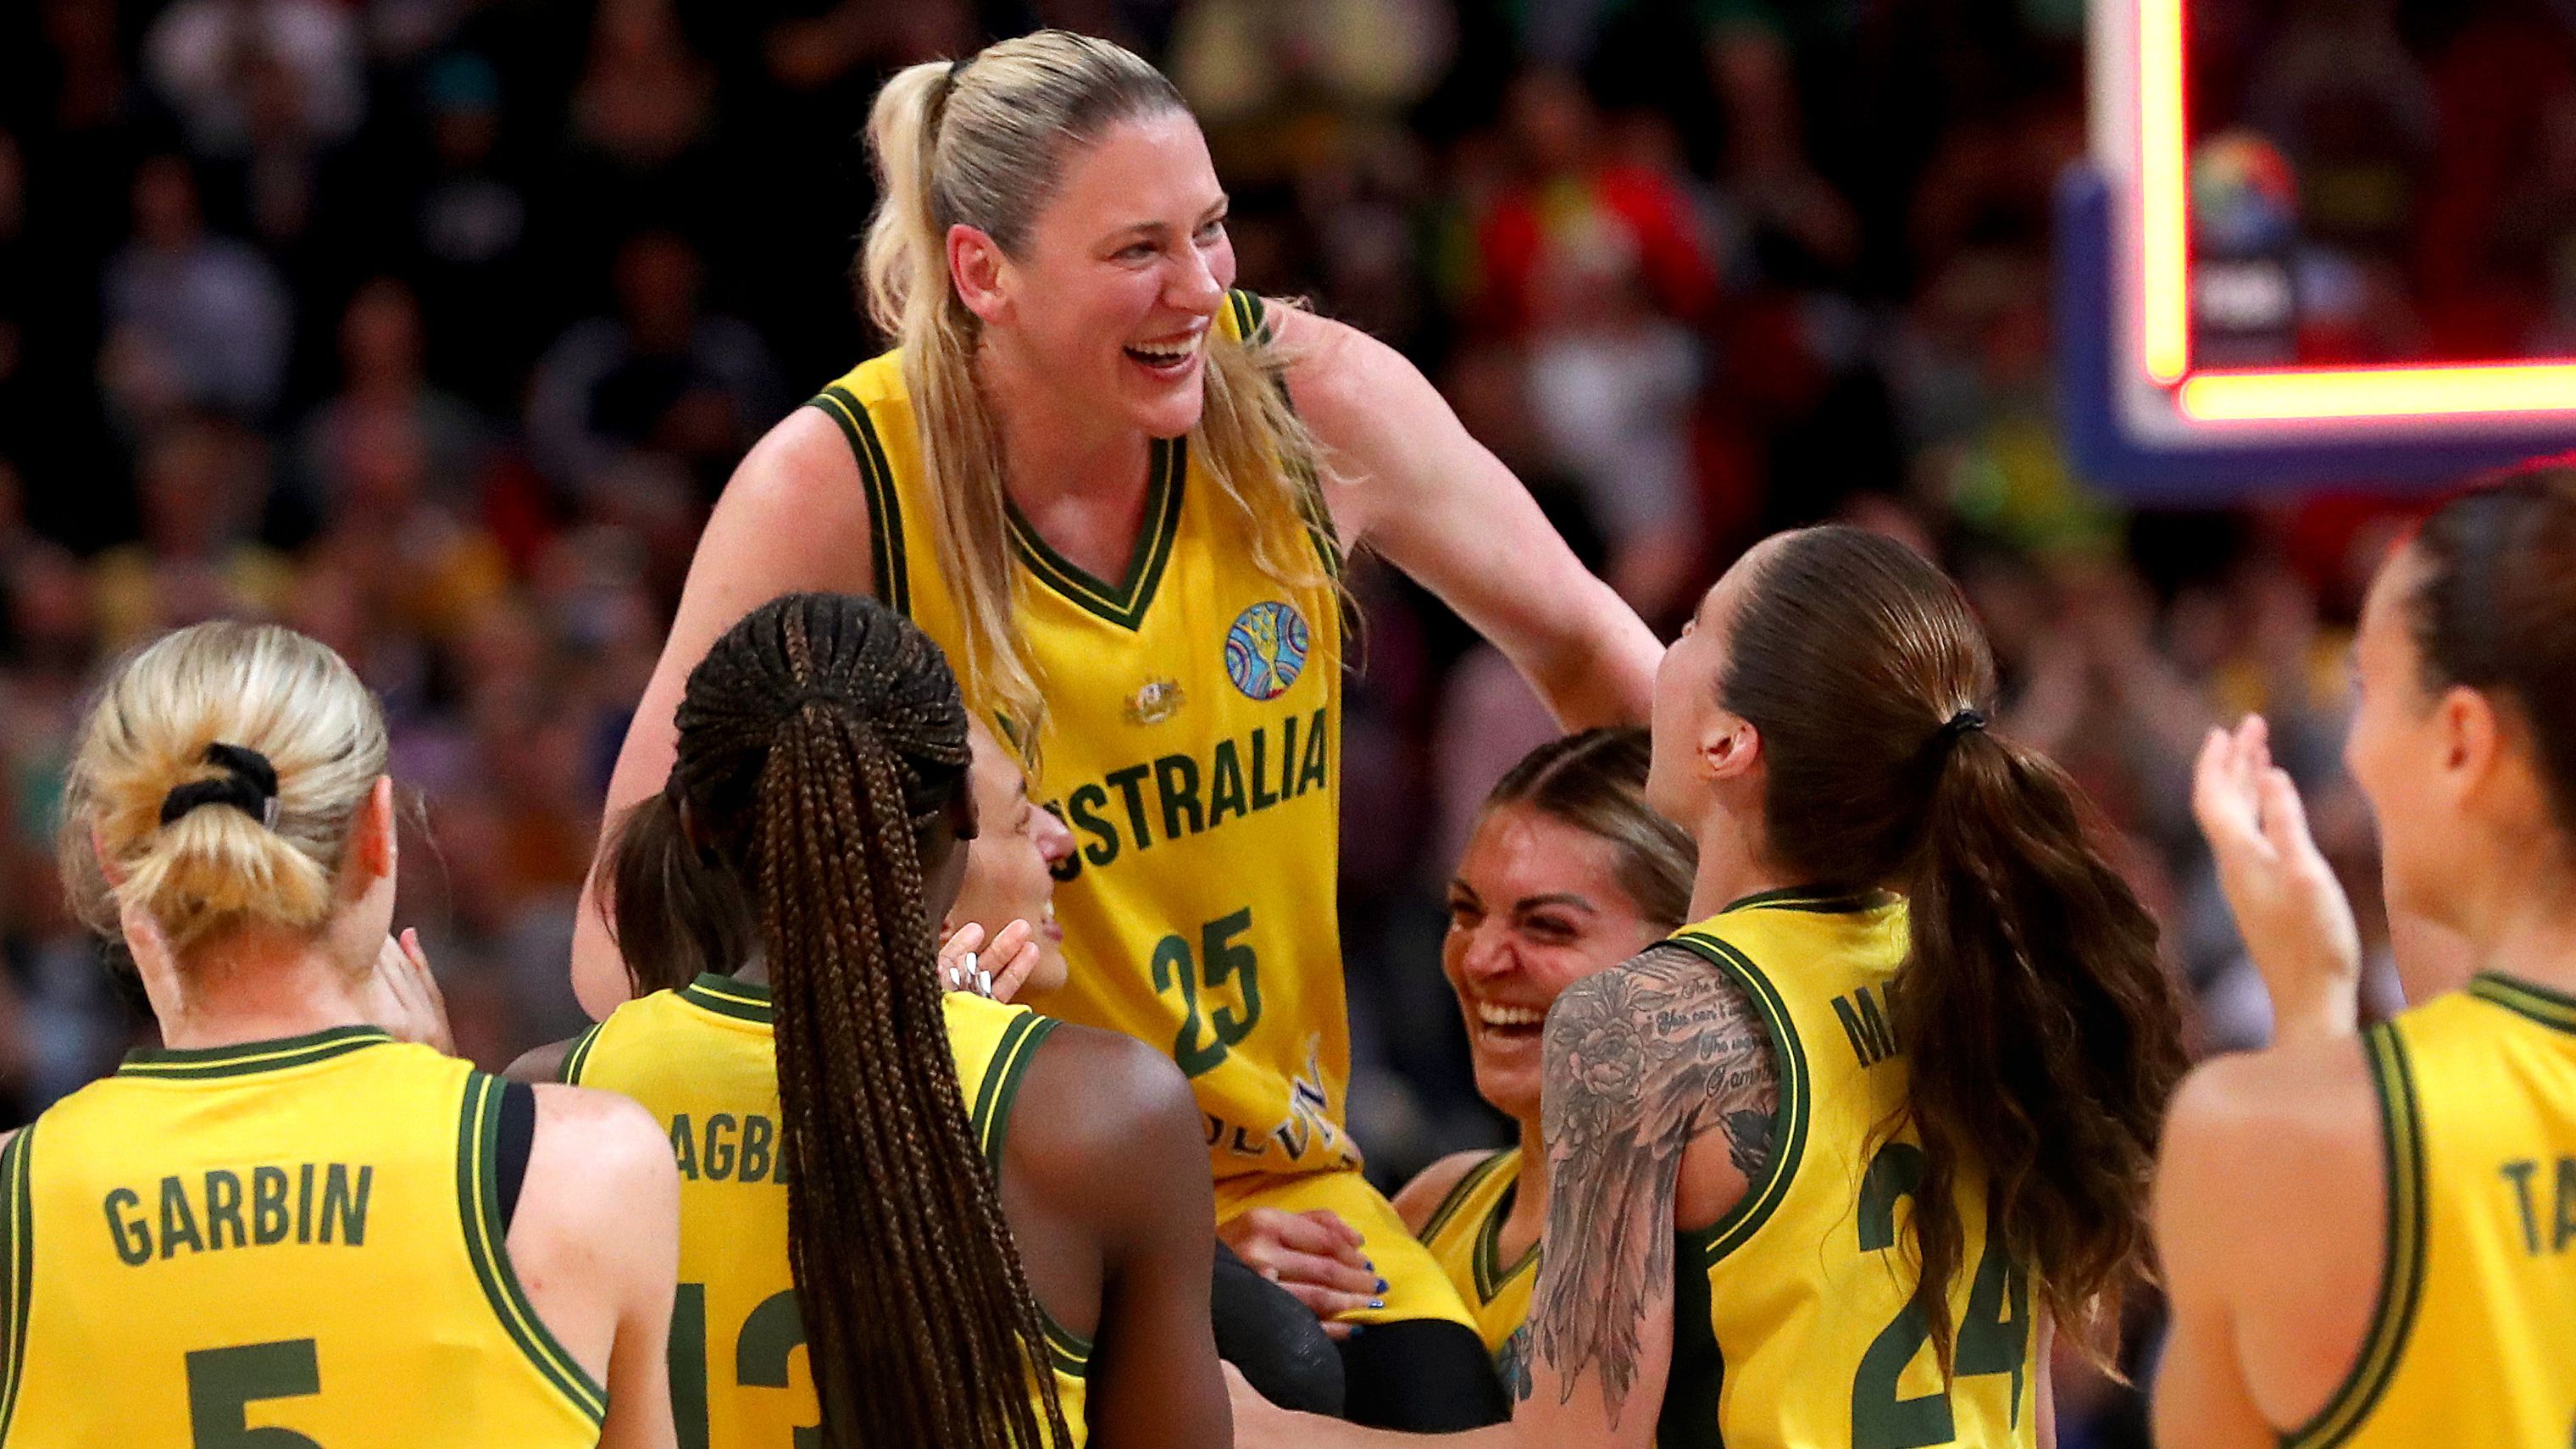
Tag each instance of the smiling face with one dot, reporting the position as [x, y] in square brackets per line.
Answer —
[1008, 865]
[1110, 296]
[1535, 906]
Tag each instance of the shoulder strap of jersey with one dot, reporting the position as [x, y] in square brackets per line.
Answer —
[1001, 1087]
[2401, 1272]
[1789, 1060]
[577, 1055]
[876, 479]
[478, 1202]
[17, 1263]
[1068, 1352]
[1459, 1192]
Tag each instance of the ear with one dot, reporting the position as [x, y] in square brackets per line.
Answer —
[371, 835]
[1728, 747]
[2470, 734]
[977, 266]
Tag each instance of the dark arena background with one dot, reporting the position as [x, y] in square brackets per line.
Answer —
[433, 327]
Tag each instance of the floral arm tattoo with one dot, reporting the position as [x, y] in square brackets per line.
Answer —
[1640, 1059]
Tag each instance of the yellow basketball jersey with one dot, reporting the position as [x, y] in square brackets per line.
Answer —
[703, 1061]
[1192, 741]
[290, 1243]
[2474, 1337]
[1462, 1234]
[1793, 1327]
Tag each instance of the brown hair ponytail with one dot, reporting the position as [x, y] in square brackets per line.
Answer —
[821, 742]
[2042, 1033]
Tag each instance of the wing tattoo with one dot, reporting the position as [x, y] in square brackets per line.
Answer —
[1639, 1059]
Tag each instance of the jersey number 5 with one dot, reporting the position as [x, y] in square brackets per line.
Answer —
[224, 1382]
[1205, 1037]
[1994, 1336]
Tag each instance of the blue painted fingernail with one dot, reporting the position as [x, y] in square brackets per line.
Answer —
[1369, 1264]
[1381, 1285]
[1378, 1302]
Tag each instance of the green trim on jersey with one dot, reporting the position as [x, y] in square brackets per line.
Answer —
[725, 996]
[1821, 900]
[876, 478]
[1457, 1195]
[1123, 603]
[1485, 1258]
[1761, 1199]
[576, 1058]
[250, 1058]
[990, 1121]
[991, 1118]
[1068, 1352]
[2401, 1282]
[478, 1203]
[1251, 317]
[2551, 1009]
[17, 1267]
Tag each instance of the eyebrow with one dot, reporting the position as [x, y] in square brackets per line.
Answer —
[1555, 898]
[1222, 203]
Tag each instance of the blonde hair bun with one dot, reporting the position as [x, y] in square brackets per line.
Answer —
[253, 717]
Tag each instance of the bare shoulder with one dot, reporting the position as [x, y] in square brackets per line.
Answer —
[1668, 1012]
[601, 1137]
[541, 1064]
[1088, 1093]
[1430, 1187]
[794, 515]
[2253, 1108]
[2259, 1146]
[1342, 380]
[1105, 1127]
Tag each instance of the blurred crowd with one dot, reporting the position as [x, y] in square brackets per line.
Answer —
[432, 327]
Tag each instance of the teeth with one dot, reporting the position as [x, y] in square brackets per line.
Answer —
[1166, 351]
[1492, 1014]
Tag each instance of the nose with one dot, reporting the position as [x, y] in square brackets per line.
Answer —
[1486, 955]
[1194, 287]
[1055, 841]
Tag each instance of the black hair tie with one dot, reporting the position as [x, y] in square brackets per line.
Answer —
[1960, 723]
[248, 784]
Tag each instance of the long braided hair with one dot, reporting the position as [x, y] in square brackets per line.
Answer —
[822, 752]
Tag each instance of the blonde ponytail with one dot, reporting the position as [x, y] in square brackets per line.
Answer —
[984, 143]
[215, 867]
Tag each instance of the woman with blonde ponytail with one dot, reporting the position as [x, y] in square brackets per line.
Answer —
[1117, 493]
[285, 1217]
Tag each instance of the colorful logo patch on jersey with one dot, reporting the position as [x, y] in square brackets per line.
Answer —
[1266, 649]
[1154, 702]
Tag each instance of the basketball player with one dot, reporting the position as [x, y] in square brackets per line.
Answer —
[2366, 1234]
[1566, 873]
[1825, 1167]
[284, 1218]
[1006, 901]
[917, 1188]
[1117, 494]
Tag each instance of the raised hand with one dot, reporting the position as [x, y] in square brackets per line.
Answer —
[966, 964]
[2291, 911]
[403, 995]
